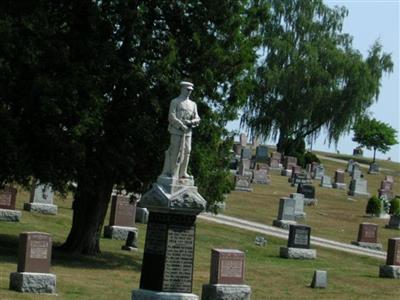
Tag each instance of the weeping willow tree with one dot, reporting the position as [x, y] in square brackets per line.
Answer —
[309, 76]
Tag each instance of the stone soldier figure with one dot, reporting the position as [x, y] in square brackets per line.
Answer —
[182, 118]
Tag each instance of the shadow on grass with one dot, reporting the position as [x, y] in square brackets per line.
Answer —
[106, 260]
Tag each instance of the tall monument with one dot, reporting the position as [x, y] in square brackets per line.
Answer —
[173, 203]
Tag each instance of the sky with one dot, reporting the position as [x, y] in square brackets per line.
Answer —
[367, 21]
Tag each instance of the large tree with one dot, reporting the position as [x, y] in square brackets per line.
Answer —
[374, 134]
[85, 88]
[309, 77]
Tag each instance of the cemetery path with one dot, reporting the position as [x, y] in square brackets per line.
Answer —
[281, 233]
[342, 161]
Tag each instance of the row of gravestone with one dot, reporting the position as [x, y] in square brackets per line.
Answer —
[34, 262]
[42, 201]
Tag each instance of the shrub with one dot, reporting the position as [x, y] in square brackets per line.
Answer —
[373, 206]
[395, 207]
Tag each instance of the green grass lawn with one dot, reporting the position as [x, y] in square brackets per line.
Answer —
[114, 273]
[335, 217]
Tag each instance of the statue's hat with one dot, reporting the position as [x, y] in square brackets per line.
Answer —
[186, 84]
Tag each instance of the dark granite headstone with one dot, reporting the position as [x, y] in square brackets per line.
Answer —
[299, 236]
[123, 212]
[7, 198]
[307, 190]
[368, 233]
[227, 266]
[393, 253]
[168, 253]
[34, 252]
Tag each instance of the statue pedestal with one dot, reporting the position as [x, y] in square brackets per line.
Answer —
[167, 267]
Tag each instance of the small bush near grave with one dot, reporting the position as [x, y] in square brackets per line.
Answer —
[395, 207]
[373, 206]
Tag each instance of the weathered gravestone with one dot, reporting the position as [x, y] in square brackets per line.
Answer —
[386, 189]
[356, 171]
[299, 206]
[286, 213]
[320, 279]
[339, 180]
[326, 181]
[122, 218]
[243, 183]
[34, 258]
[368, 236]
[173, 202]
[288, 163]
[243, 139]
[8, 212]
[244, 167]
[246, 154]
[349, 167]
[275, 161]
[298, 245]
[392, 267]
[319, 172]
[226, 276]
[358, 187]
[261, 176]
[41, 200]
[308, 191]
[373, 168]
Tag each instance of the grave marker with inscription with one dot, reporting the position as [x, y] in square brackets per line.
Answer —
[358, 187]
[41, 200]
[173, 203]
[339, 180]
[368, 236]
[392, 267]
[286, 213]
[122, 218]
[298, 245]
[226, 276]
[8, 212]
[34, 259]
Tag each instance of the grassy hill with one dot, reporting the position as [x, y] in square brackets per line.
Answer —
[114, 273]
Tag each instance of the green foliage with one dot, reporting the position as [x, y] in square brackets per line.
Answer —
[309, 77]
[296, 148]
[395, 207]
[374, 206]
[86, 86]
[374, 134]
[310, 157]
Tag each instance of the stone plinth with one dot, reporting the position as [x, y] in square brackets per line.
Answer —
[26, 282]
[118, 232]
[389, 271]
[10, 215]
[47, 209]
[338, 185]
[225, 292]
[167, 268]
[142, 294]
[297, 253]
[243, 183]
[373, 246]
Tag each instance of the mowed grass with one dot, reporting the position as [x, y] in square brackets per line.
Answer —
[114, 273]
[336, 216]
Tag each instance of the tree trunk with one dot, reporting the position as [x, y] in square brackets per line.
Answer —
[89, 210]
[282, 141]
[373, 161]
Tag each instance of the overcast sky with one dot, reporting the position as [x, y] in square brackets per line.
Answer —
[368, 21]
